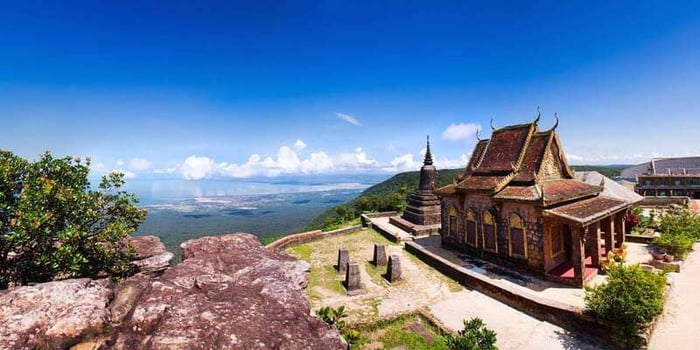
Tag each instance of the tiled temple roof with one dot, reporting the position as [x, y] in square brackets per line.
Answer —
[522, 193]
[588, 210]
[505, 149]
[567, 189]
[533, 157]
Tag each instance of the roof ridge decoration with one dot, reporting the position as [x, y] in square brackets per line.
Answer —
[477, 135]
[539, 115]
[493, 127]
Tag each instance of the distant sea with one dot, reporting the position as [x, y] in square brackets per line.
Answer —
[179, 210]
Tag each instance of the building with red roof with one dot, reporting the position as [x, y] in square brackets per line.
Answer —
[519, 204]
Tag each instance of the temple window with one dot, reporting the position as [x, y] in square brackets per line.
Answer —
[489, 232]
[518, 241]
[471, 233]
[452, 216]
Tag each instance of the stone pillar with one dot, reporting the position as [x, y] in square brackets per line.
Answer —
[594, 245]
[379, 257]
[608, 233]
[393, 272]
[343, 259]
[578, 258]
[352, 278]
[619, 223]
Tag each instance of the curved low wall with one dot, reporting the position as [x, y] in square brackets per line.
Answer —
[309, 236]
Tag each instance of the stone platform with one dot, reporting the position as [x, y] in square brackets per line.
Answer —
[415, 229]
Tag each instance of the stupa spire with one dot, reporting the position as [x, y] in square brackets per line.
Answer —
[428, 157]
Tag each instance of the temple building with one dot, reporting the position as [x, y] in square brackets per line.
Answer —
[422, 214]
[519, 204]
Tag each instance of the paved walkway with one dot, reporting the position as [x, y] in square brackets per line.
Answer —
[515, 329]
[679, 327]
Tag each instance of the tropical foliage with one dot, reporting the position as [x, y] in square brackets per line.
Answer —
[474, 336]
[53, 225]
[631, 299]
[679, 230]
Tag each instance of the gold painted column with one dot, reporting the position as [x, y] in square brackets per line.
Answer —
[578, 258]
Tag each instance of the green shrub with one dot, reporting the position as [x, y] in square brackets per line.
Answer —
[680, 221]
[678, 245]
[474, 336]
[53, 225]
[333, 318]
[631, 299]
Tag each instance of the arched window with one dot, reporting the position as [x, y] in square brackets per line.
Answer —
[518, 241]
[471, 234]
[489, 232]
[452, 217]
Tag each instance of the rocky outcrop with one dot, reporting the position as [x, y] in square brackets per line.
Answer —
[151, 256]
[228, 293]
[53, 315]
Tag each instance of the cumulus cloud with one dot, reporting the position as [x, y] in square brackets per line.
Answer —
[299, 145]
[139, 164]
[195, 168]
[461, 131]
[120, 162]
[348, 118]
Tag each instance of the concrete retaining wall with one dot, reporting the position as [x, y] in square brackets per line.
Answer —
[309, 236]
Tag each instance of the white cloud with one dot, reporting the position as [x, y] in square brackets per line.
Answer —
[196, 168]
[98, 168]
[402, 163]
[318, 162]
[461, 131]
[120, 162]
[139, 164]
[299, 145]
[165, 171]
[445, 163]
[348, 118]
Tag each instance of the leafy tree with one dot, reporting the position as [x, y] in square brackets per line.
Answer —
[52, 225]
[474, 336]
[631, 299]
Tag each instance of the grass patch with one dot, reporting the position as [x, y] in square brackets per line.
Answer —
[301, 252]
[396, 332]
[375, 273]
[323, 278]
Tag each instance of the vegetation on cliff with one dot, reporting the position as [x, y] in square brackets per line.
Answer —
[389, 195]
[53, 225]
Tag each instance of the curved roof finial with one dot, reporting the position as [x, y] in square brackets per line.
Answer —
[538, 115]
[556, 115]
[477, 135]
[492, 126]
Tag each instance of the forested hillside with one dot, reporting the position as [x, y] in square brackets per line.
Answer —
[385, 196]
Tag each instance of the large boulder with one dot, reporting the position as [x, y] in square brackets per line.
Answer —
[228, 293]
[53, 315]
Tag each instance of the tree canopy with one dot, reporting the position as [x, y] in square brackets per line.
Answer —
[54, 225]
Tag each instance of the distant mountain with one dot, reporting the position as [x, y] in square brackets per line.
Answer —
[391, 195]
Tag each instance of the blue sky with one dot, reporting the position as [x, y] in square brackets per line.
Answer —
[265, 88]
